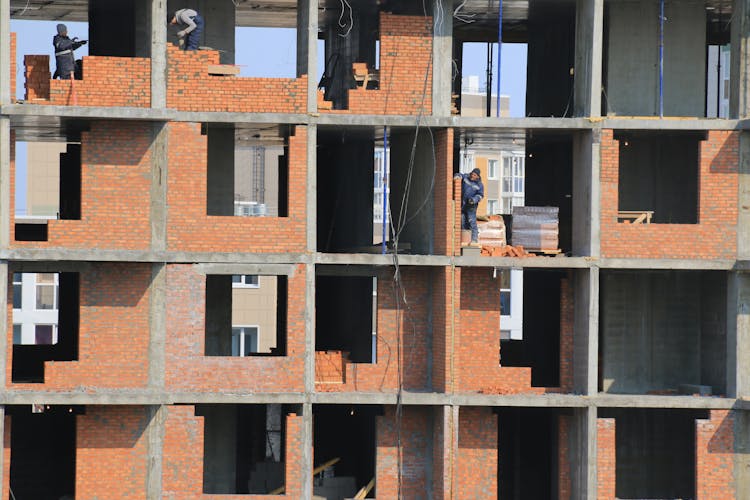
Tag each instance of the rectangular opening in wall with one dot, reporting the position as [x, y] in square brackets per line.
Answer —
[659, 177]
[43, 451]
[265, 52]
[248, 171]
[344, 450]
[244, 448]
[45, 322]
[479, 75]
[539, 345]
[345, 316]
[48, 186]
[527, 452]
[663, 332]
[655, 452]
[246, 315]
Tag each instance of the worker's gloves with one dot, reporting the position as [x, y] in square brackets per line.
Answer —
[471, 202]
[181, 34]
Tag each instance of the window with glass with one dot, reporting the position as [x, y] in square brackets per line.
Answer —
[244, 340]
[492, 207]
[17, 290]
[46, 291]
[492, 169]
[17, 334]
[44, 334]
[245, 281]
[512, 182]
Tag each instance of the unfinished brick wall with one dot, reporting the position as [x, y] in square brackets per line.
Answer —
[564, 488]
[456, 216]
[606, 459]
[715, 235]
[112, 452]
[476, 458]
[191, 88]
[416, 453]
[567, 325]
[182, 476]
[410, 322]
[115, 192]
[113, 334]
[107, 81]
[191, 230]
[444, 310]
[405, 61]
[714, 456]
[188, 369]
[443, 192]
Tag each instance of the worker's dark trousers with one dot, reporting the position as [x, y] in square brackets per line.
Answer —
[193, 38]
[469, 221]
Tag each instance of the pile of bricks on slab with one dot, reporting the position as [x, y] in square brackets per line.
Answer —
[492, 239]
[535, 228]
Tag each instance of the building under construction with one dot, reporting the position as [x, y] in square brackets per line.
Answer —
[370, 366]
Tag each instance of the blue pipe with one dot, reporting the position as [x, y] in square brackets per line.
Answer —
[661, 59]
[385, 185]
[499, 50]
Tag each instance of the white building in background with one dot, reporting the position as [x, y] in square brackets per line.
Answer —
[717, 81]
[35, 308]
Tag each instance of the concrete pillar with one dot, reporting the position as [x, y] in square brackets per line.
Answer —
[220, 175]
[742, 453]
[739, 94]
[309, 328]
[583, 450]
[587, 79]
[5, 91]
[306, 457]
[157, 326]
[218, 315]
[5, 208]
[586, 193]
[586, 330]
[419, 232]
[159, 165]
[738, 335]
[158, 53]
[307, 49]
[743, 198]
[155, 443]
[442, 57]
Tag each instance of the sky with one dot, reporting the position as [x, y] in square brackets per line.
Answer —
[277, 59]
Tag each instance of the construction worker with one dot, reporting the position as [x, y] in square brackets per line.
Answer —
[193, 23]
[472, 192]
[64, 58]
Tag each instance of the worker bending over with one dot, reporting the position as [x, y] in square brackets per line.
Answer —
[64, 58]
[193, 26]
[472, 192]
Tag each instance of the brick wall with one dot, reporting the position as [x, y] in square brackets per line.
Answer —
[188, 369]
[115, 191]
[564, 488]
[412, 322]
[567, 325]
[191, 230]
[443, 315]
[476, 458]
[405, 58]
[191, 88]
[112, 452]
[457, 223]
[443, 219]
[182, 476]
[606, 458]
[107, 81]
[416, 452]
[714, 456]
[113, 332]
[6, 456]
[714, 237]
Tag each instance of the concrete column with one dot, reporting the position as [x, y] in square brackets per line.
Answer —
[586, 193]
[157, 326]
[307, 49]
[739, 94]
[158, 54]
[587, 79]
[743, 199]
[158, 208]
[5, 91]
[742, 453]
[586, 331]
[442, 57]
[738, 335]
[583, 450]
[309, 328]
[5, 208]
[155, 442]
[306, 457]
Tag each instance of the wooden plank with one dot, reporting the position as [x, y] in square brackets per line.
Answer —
[316, 470]
[362, 493]
[223, 69]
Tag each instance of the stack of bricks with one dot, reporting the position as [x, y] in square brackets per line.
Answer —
[37, 78]
[715, 234]
[191, 88]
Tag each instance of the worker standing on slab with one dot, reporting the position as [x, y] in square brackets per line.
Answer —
[472, 192]
[193, 26]
[64, 58]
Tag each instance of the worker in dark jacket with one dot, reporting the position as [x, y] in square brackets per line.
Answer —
[472, 192]
[193, 26]
[64, 47]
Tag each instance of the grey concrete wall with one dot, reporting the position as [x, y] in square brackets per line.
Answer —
[588, 57]
[218, 315]
[220, 171]
[739, 94]
[220, 449]
[632, 80]
[220, 22]
[442, 49]
[419, 232]
[713, 346]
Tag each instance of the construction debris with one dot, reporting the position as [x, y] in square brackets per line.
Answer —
[505, 251]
